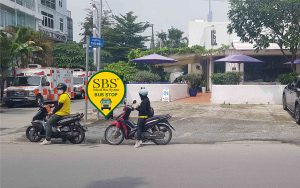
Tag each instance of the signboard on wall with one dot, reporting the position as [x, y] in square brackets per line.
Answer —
[214, 37]
[166, 95]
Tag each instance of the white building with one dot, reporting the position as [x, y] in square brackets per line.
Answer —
[211, 35]
[48, 16]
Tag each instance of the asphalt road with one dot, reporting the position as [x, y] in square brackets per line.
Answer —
[194, 124]
[13, 118]
[235, 165]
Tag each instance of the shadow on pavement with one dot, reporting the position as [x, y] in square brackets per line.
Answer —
[124, 182]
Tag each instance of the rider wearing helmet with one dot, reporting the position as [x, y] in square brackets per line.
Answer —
[62, 109]
[144, 110]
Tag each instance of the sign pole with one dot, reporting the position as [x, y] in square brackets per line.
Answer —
[86, 75]
[99, 48]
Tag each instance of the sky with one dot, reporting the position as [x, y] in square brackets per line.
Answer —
[164, 14]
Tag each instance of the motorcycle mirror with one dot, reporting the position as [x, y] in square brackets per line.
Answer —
[134, 102]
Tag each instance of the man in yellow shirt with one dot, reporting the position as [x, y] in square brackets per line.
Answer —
[62, 109]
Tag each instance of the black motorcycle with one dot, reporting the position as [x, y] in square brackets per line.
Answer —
[157, 129]
[68, 128]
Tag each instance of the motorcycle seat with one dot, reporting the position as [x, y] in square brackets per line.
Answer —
[70, 116]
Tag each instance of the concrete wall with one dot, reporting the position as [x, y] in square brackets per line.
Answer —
[177, 91]
[243, 94]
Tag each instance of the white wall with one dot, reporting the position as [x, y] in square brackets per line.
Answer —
[200, 34]
[243, 94]
[177, 91]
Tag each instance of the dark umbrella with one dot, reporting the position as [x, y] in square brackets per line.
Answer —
[239, 59]
[154, 59]
[297, 61]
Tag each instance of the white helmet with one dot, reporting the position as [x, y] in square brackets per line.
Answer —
[143, 92]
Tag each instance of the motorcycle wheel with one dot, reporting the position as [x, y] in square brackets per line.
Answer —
[168, 135]
[113, 135]
[79, 135]
[33, 134]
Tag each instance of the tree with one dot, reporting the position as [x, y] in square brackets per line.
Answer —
[125, 35]
[174, 39]
[6, 57]
[162, 39]
[120, 33]
[262, 22]
[30, 46]
[70, 55]
[123, 69]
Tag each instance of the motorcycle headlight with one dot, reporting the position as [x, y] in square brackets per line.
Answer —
[31, 93]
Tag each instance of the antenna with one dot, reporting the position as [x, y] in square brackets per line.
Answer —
[210, 14]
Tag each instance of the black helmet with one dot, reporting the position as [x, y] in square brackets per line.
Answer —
[62, 86]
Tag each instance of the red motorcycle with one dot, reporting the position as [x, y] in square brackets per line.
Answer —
[157, 129]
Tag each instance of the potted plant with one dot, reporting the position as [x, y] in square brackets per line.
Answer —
[194, 82]
[203, 84]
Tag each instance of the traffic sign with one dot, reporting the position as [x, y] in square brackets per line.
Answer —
[96, 42]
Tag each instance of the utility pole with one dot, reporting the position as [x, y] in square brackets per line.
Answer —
[152, 45]
[210, 14]
[97, 22]
[99, 32]
[86, 74]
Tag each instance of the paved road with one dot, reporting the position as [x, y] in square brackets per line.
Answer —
[14, 118]
[193, 123]
[239, 165]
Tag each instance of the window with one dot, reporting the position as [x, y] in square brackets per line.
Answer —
[47, 20]
[61, 24]
[49, 3]
[60, 3]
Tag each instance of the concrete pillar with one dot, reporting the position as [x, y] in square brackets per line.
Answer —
[210, 72]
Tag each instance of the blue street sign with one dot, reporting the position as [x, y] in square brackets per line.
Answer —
[96, 42]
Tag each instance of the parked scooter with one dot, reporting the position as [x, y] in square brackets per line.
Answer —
[70, 127]
[157, 128]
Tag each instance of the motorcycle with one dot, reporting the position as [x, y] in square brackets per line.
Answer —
[68, 128]
[157, 128]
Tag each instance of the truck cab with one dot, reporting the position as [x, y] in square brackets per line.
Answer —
[26, 90]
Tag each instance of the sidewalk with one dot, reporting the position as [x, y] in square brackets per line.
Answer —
[201, 98]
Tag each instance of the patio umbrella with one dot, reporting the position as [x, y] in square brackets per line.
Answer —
[154, 59]
[297, 61]
[239, 59]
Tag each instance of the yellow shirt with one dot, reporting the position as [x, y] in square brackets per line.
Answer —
[66, 108]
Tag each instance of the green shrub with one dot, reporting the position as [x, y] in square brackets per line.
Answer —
[123, 69]
[288, 78]
[228, 78]
[193, 80]
[146, 76]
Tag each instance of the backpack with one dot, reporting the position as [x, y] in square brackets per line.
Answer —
[151, 112]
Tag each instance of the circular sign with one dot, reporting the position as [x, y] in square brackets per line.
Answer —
[106, 91]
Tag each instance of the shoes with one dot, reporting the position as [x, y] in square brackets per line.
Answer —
[138, 144]
[46, 142]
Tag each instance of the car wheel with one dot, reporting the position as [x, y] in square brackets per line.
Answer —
[9, 104]
[39, 100]
[82, 95]
[297, 114]
[284, 102]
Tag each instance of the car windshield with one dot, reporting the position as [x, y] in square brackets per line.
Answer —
[78, 80]
[27, 81]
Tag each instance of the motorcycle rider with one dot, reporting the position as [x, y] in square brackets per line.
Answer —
[144, 110]
[62, 109]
